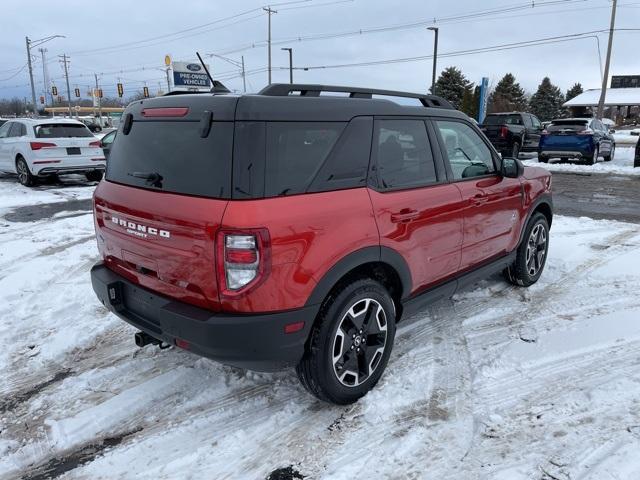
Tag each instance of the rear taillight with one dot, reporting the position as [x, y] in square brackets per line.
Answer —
[39, 145]
[504, 131]
[243, 259]
[586, 131]
[96, 144]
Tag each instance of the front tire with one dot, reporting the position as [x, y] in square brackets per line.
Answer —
[24, 174]
[350, 343]
[531, 255]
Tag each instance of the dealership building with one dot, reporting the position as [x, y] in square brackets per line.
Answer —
[622, 101]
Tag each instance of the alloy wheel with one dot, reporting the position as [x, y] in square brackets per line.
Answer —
[23, 173]
[536, 249]
[359, 342]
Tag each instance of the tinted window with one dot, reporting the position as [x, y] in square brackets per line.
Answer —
[295, 153]
[568, 125]
[61, 130]
[527, 121]
[468, 155]
[173, 157]
[503, 120]
[4, 130]
[403, 154]
[536, 122]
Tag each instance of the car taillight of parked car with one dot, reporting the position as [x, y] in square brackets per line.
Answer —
[504, 131]
[243, 259]
[39, 145]
[97, 143]
[586, 131]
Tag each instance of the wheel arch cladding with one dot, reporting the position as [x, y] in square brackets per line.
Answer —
[543, 205]
[380, 263]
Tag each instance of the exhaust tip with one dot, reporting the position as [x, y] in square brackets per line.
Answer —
[142, 339]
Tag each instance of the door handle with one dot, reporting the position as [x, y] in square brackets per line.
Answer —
[479, 199]
[404, 216]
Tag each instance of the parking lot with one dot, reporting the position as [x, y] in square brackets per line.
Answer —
[499, 383]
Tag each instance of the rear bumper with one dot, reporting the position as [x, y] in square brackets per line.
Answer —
[256, 342]
[564, 153]
[67, 170]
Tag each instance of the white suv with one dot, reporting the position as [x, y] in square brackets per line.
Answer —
[35, 148]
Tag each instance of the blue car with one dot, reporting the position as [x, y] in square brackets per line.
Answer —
[581, 139]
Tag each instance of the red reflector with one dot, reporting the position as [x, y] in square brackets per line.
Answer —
[95, 144]
[183, 344]
[39, 145]
[293, 327]
[45, 161]
[236, 255]
[165, 112]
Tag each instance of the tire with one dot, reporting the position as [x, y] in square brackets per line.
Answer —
[328, 369]
[94, 176]
[521, 272]
[609, 157]
[515, 150]
[594, 158]
[24, 174]
[543, 159]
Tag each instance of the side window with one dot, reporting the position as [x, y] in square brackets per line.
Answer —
[468, 155]
[527, 120]
[23, 130]
[16, 129]
[4, 130]
[295, 153]
[536, 122]
[403, 153]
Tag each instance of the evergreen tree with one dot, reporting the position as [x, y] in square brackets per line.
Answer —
[471, 101]
[452, 85]
[508, 96]
[546, 103]
[574, 91]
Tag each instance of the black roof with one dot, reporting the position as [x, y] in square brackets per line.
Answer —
[300, 102]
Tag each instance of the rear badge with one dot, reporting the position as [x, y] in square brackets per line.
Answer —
[141, 231]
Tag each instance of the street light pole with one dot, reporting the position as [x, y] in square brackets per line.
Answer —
[435, 30]
[290, 50]
[605, 79]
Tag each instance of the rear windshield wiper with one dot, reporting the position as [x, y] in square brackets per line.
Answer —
[152, 178]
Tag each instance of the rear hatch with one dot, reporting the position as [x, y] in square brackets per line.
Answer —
[68, 144]
[167, 185]
[569, 135]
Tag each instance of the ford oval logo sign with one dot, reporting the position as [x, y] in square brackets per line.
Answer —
[194, 67]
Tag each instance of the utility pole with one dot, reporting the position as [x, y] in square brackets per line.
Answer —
[45, 76]
[65, 62]
[97, 98]
[435, 30]
[269, 11]
[33, 88]
[244, 79]
[290, 50]
[605, 79]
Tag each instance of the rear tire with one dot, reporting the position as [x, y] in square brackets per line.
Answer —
[543, 159]
[612, 153]
[94, 176]
[515, 150]
[594, 158]
[531, 255]
[24, 174]
[350, 343]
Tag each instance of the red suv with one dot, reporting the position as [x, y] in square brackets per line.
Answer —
[295, 229]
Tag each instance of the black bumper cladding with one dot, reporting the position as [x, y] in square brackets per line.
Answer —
[256, 342]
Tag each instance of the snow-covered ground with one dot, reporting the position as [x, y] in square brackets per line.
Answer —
[499, 383]
[622, 163]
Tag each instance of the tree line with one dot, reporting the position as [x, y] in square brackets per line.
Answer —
[546, 103]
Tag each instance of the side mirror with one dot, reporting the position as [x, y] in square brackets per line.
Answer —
[511, 168]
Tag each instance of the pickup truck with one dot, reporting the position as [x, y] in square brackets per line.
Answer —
[513, 132]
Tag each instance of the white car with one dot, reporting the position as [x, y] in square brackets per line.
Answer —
[35, 148]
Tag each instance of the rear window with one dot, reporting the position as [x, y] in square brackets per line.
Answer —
[61, 130]
[503, 120]
[558, 125]
[173, 157]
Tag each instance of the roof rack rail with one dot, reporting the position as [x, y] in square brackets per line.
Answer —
[310, 90]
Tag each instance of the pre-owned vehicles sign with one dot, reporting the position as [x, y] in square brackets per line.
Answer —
[190, 75]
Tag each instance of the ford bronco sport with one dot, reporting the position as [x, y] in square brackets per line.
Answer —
[292, 228]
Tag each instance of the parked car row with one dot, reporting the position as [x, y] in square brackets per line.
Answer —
[581, 139]
[43, 148]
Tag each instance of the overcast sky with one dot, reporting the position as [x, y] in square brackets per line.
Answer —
[124, 36]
